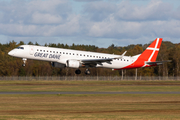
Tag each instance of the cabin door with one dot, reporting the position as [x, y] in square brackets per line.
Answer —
[31, 50]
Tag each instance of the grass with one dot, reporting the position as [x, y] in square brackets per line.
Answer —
[107, 86]
[90, 107]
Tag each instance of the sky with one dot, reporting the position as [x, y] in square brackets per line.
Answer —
[89, 22]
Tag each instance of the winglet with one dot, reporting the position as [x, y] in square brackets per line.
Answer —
[123, 54]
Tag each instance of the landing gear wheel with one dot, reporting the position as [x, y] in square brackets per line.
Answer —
[23, 65]
[87, 72]
[78, 71]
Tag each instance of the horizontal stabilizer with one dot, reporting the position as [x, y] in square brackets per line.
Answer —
[157, 62]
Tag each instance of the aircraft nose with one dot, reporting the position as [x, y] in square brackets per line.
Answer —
[11, 53]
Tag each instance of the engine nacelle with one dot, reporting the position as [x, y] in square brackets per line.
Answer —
[73, 64]
[58, 65]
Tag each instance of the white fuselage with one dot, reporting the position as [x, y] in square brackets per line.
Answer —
[60, 55]
[75, 58]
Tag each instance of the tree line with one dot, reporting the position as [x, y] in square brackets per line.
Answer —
[11, 66]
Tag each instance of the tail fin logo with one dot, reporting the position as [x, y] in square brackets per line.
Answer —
[150, 54]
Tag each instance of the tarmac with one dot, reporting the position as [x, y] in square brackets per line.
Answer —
[79, 93]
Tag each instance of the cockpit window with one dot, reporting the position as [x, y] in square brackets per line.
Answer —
[20, 48]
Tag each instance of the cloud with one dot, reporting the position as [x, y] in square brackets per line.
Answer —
[71, 27]
[37, 18]
[46, 18]
[34, 11]
[98, 21]
[126, 11]
[155, 10]
[126, 20]
[99, 11]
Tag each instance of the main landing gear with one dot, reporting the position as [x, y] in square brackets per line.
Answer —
[87, 72]
[78, 71]
[24, 62]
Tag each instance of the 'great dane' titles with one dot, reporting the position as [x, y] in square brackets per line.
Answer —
[46, 55]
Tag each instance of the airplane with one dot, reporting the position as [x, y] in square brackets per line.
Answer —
[62, 58]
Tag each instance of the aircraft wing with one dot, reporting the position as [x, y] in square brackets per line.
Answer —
[157, 62]
[100, 61]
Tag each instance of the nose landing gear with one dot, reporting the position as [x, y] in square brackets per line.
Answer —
[24, 62]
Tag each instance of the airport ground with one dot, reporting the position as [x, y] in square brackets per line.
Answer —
[146, 100]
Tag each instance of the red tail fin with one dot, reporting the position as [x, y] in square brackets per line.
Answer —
[150, 54]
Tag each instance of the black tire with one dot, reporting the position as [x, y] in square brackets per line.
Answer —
[78, 72]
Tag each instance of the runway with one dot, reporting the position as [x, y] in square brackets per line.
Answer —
[81, 93]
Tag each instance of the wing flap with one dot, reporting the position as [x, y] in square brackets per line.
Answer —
[97, 61]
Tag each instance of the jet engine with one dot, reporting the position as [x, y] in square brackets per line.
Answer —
[73, 64]
[58, 65]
